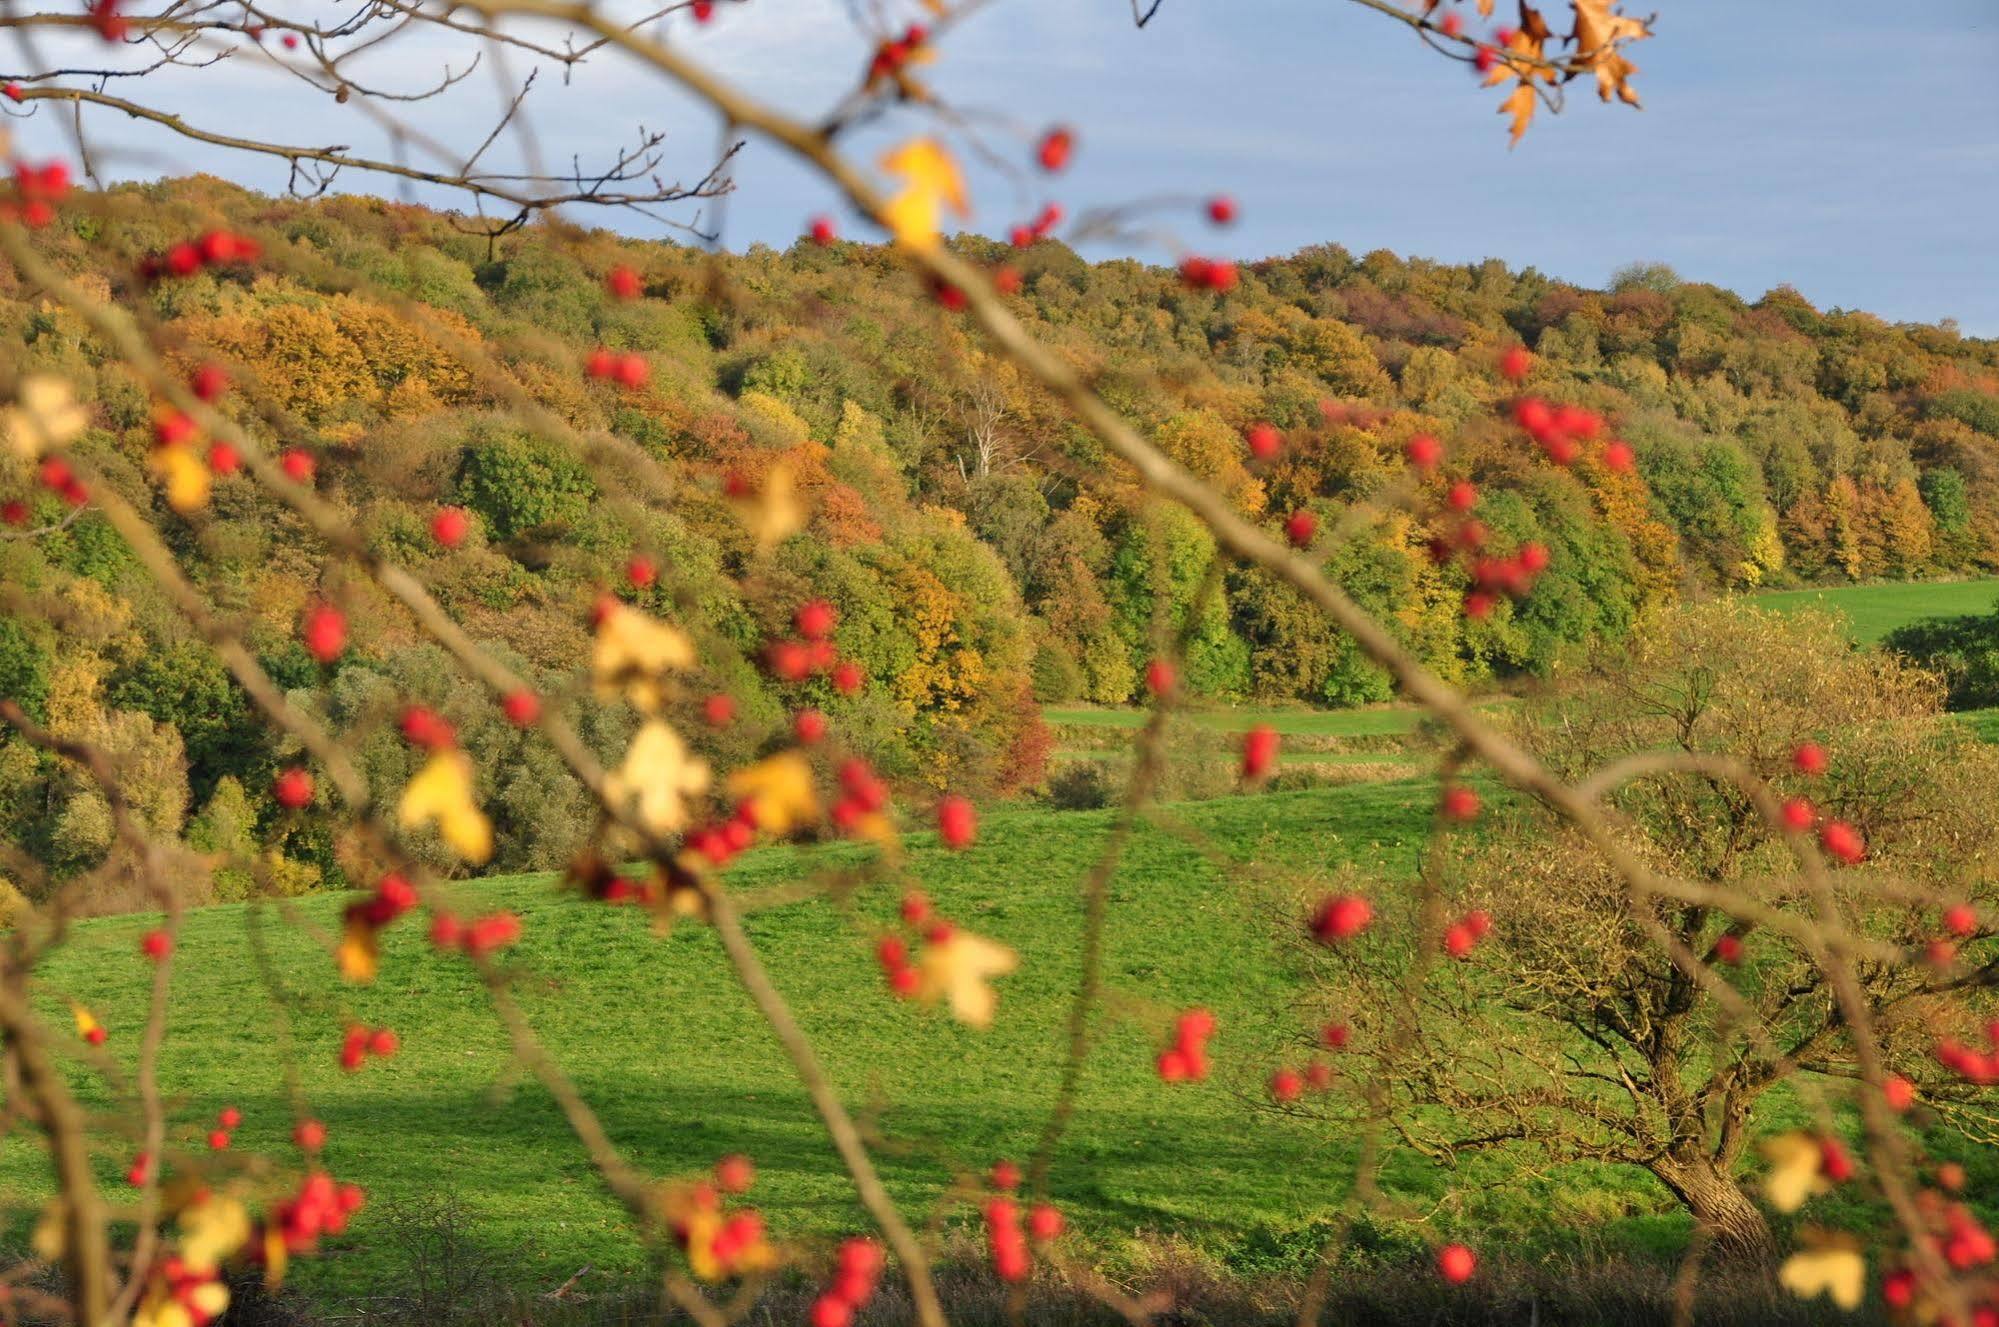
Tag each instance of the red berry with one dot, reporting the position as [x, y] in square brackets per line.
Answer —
[815, 619]
[1534, 558]
[1515, 364]
[427, 728]
[631, 370]
[1452, 24]
[1960, 919]
[1899, 1092]
[14, 512]
[1221, 210]
[1842, 841]
[156, 944]
[1173, 1066]
[601, 363]
[141, 1170]
[1618, 456]
[1460, 803]
[97, 1035]
[12, 92]
[450, 525]
[224, 459]
[1056, 147]
[298, 466]
[1335, 1036]
[1005, 1176]
[384, 1042]
[1044, 1223]
[822, 231]
[1463, 496]
[1286, 1085]
[1300, 528]
[809, 726]
[218, 1139]
[1458, 940]
[1341, 917]
[915, 907]
[719, 709]
[522, 708]
[1259, 751]
[229, 1117]
[325, 632]
[735, 1173]
[1160, 677]
[1810, 758]
[1728, 948]
[848, 677]
[292, 789]
[1423, 451]
[703, 10]
[624, 283]
[1008, 280]
[1799, 814]
[957, 822]
[831, 1311]
[641, 572]
[1264, 441]
[1455, 1262]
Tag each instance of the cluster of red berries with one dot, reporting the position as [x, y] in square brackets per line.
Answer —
[320, 1207]
[629, 370]
[855, 1272]
[1259, 751]
[37, 190]
[1005, 1240]
[793, 659]
[1958, 1237]
[892, 951]
[478, 937]
[1216, 274]
[323, 630]
[56, 476]
[893, 55]
[862, 794]
[1462, 936]
[362, 1042]
[1185, 1060]
[1559, 431]
[740, 1233]
[216, 248]
[1974, 1066]
[226, 1122]
[1492, 577]
[718, 845]
[391, 898]
[1287, 1085]
[1039, 229]
[1341, 917]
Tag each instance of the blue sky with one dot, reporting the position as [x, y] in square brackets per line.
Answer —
[1849, 150]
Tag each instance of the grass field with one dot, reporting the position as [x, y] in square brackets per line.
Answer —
[1876, 610]
[660, 1037]
[1380, 721]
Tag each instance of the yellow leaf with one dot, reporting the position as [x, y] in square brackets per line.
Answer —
[1520, 105]
[185, 475]
[441, 794]
[779, 791]
[86, 1022]
[633, 653]
[1597, 35]
[50, 1239]
[657, 778]
[45, 415]
[774, 513]
[931, 182]
[276, 1255]
[1795, 1162]
[1829, 1265]
[359, 955]
[211, 1229]
[957, 969]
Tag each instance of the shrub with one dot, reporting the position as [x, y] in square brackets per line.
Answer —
[522, 484]
[1965, 650]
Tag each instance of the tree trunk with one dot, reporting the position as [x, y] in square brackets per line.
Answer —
[1719, 1204]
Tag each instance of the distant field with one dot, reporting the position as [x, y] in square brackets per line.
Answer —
[659, 1035]
[1383, 721]
[1876, 610]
